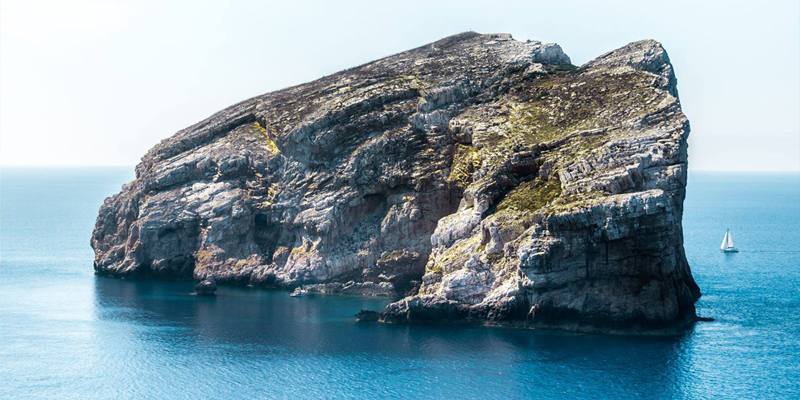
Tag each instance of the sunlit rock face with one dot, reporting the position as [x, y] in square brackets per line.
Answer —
[477, 178]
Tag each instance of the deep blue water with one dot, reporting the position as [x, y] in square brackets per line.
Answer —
[66, 334]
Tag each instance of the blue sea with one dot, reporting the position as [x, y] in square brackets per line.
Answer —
[67, 334]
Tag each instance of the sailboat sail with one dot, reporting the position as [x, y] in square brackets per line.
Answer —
[727, 242]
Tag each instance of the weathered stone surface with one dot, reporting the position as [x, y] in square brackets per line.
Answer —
[350, 288]
[488, 179]
[206, 287]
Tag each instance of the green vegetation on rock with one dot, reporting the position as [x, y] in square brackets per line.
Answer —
[531, 195]
[531, 123]
[272, 147]
[466, 160]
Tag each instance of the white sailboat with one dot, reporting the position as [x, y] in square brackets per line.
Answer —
[727, 245]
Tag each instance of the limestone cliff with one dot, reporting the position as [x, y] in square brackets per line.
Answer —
[484, 178]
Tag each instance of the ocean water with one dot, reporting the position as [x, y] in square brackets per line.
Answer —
[67, 334]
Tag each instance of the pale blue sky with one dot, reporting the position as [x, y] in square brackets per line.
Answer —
[99, 82]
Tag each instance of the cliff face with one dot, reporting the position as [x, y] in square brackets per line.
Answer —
[484, 178]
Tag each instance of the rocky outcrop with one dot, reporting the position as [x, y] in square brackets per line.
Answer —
[350, 288]
[206, 287]
[485, 178]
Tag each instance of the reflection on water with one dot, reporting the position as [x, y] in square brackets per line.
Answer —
[269, 328]
[235, 315]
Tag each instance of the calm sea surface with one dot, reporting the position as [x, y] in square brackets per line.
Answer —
[66, 334]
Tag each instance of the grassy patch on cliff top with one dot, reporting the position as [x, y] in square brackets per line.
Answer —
[549, 109]
[560, 104]
[531, 123]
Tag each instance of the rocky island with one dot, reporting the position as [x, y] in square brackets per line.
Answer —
[477, 178]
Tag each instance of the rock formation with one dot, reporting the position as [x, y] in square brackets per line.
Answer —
[484, 178]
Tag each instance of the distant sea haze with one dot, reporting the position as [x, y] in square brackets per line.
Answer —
[66, 333]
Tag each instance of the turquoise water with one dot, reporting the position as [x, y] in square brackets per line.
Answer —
[67, 334]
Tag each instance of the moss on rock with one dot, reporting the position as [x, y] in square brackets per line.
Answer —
[531, 195]
[270, 144]
[466, 160]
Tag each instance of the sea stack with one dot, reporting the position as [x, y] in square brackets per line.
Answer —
[477, 178]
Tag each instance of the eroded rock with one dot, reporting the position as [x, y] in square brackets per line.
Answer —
[206, 287]
[484, 178]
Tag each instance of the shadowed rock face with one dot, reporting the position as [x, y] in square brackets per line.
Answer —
[485, 178]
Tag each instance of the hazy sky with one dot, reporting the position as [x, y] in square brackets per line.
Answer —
[100, 82]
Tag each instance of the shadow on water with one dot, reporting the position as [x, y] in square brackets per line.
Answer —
[272, 322]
